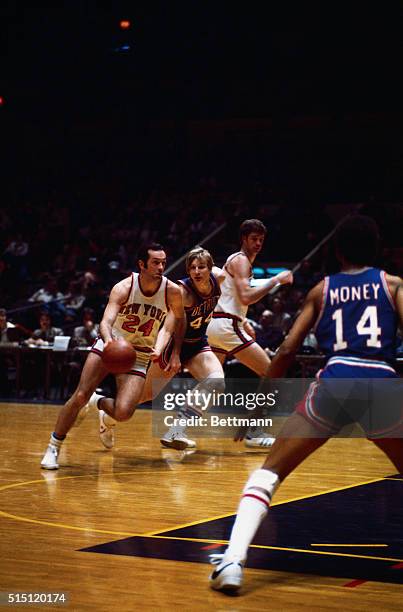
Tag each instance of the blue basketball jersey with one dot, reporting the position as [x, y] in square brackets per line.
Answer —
[358, 316]
[198, 315]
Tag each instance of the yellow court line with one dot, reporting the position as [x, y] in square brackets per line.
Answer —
[300, 550]
[159, 531]
[97, 475]
[64, 526]
[279, 503]
[200, 522]
[335, 490]
[201, 540]
[72, 527]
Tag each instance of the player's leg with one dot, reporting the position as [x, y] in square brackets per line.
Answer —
[227, 337]
[393, 449]
[206, 364]
[129, 391]
[129, 388]
[254, 358]
[387, 416]
[77, 406]
[297, 440]
[207, 369]
[221, 355]
[156, 380]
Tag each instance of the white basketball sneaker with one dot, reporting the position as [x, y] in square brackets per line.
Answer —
[259, 440]
[177, 439]
[92, 403]
[228, 574]
[49, 461]
[106, 432]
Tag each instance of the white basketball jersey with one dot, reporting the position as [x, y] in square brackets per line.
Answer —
[229, 301]
[141, 316]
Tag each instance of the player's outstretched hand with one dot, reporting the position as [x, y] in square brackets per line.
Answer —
[285, 278]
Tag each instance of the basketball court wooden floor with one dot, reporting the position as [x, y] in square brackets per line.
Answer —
[132, 529]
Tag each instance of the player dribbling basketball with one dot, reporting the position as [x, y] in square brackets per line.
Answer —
[137, 308]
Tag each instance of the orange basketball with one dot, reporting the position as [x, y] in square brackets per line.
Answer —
[119, 356]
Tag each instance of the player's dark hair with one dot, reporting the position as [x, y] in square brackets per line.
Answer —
[357, 240]
[143, 254]
[199, 253]
[252, 226]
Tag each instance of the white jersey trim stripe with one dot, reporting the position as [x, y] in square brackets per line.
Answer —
[378, 365]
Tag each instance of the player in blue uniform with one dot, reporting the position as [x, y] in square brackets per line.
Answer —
[200, 293]
[356, 313]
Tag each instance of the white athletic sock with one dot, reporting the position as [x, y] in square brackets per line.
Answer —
[176, 431]
[53, 441]
[252, 509]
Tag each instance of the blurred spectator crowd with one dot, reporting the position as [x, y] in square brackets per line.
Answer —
[60, 256]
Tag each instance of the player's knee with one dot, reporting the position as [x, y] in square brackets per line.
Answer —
[82, 396]
[123, 410]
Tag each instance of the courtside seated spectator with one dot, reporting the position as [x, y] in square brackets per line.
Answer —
[85, 334]
[7, 330]
[46, 333]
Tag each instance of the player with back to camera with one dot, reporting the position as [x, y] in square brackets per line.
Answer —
[229, 334]
[137, 308]
[355, 313]
[200, 293]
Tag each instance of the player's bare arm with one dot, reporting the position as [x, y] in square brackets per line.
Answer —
[240, 270]
[219, 274]
[175, 303]
[117, 298]
[187, 297]
[395, 284]
[175, 324]
[305, 321]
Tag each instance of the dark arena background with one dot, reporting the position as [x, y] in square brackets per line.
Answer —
[123, 123]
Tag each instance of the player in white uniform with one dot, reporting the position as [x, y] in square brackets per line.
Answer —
[137, 307]
[229, 334]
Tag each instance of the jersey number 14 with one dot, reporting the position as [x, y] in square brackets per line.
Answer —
[366, 326]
